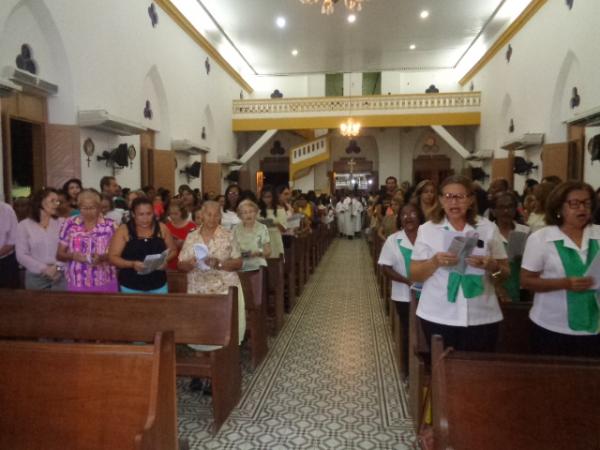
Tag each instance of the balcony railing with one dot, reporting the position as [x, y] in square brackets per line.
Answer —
[379, 104]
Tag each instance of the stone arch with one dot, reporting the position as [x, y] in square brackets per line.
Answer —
[154, 91]
[49, 52]
[569, 75]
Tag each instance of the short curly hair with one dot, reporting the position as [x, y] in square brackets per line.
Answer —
[558, 196]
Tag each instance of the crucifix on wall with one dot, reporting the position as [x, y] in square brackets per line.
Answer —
[351, 165]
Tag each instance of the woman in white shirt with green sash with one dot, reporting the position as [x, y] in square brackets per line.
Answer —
[566, 310]
[395, 258]
[459, 305]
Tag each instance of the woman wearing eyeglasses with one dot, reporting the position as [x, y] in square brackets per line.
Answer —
[395, 260]
[565, 309]
[460, 305]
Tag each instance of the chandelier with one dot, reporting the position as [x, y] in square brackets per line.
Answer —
[327, 7]
[350, 128]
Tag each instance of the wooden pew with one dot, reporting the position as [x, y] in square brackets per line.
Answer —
[290, 272]
[254, 287]
[195, 319]
[276, 282]
[513, 338]
[300, 248]
[518, 402]
[58, 396]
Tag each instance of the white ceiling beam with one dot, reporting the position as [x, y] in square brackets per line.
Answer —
[451, 141]
[257, 145]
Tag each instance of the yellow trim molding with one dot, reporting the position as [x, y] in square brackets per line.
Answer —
[375, 121]
[191, 31]
[508, 34]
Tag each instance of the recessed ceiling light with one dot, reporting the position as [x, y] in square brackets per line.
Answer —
[294, 52]
[352, 18]
[424, 14]
[280, 21]
[412, 46]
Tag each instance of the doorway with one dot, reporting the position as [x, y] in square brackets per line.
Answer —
[435, 168]
[26, 158]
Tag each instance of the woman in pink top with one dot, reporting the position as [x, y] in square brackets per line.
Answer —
[83, 245]
[37, 242]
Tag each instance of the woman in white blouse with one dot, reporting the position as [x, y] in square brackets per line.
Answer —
[460, 305]
[395, 260]
[565, 309]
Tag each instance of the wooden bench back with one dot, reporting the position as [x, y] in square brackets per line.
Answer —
[58, 396]
[492, 401]
[253, 284]
[200, 319]
[177, 282]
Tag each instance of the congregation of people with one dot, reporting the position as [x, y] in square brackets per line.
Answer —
[83, 240]
[560, 225]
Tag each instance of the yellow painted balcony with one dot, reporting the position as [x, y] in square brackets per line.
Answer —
[407, 110]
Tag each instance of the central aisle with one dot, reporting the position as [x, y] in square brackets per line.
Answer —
[330, 380]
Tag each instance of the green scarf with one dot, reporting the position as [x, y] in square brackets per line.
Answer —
[513, 284]
[472, 285]
[582, 307]
[407, 255]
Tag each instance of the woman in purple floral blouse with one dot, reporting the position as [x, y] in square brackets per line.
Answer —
[83, 245]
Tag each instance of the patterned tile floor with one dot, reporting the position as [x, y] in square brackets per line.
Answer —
[329, 380]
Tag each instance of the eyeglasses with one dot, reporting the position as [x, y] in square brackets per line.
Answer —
[575, 204]
[458, 197]
[88, 208]
[412, 214]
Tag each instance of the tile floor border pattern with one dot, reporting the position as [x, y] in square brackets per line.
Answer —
[268, 393]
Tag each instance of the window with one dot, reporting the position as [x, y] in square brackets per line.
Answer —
[334, 84]
[371, 83]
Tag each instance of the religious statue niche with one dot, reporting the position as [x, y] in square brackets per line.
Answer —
[575, 98]
[148, 110]
[353, 147]
[25, 61]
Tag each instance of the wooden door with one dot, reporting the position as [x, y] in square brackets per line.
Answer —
[211, 177]
[146, 143]
[6, 157]
[563, 160]
[504, 168]
[63, 159]
[576, 137]
[435, 168]
[161, 169]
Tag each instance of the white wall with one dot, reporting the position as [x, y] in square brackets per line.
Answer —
[555, 51]
[106, 55]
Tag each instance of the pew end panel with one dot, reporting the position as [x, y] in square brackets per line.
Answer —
[254, 286]
[276, 281]
[88, 396]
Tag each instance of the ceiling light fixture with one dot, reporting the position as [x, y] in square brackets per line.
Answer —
[294, 52]
[349, 127]
[352, 18]
[280, 21]
[328, 5]
[424, 14]
[412, 46]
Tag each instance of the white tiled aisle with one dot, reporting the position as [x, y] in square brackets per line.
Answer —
[329, 381]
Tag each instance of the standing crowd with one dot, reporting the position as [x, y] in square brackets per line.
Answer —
[537, 246]
[83, 240]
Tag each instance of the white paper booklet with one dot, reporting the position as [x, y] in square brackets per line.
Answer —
[201, 252]
[462, 246]
[153, 262]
